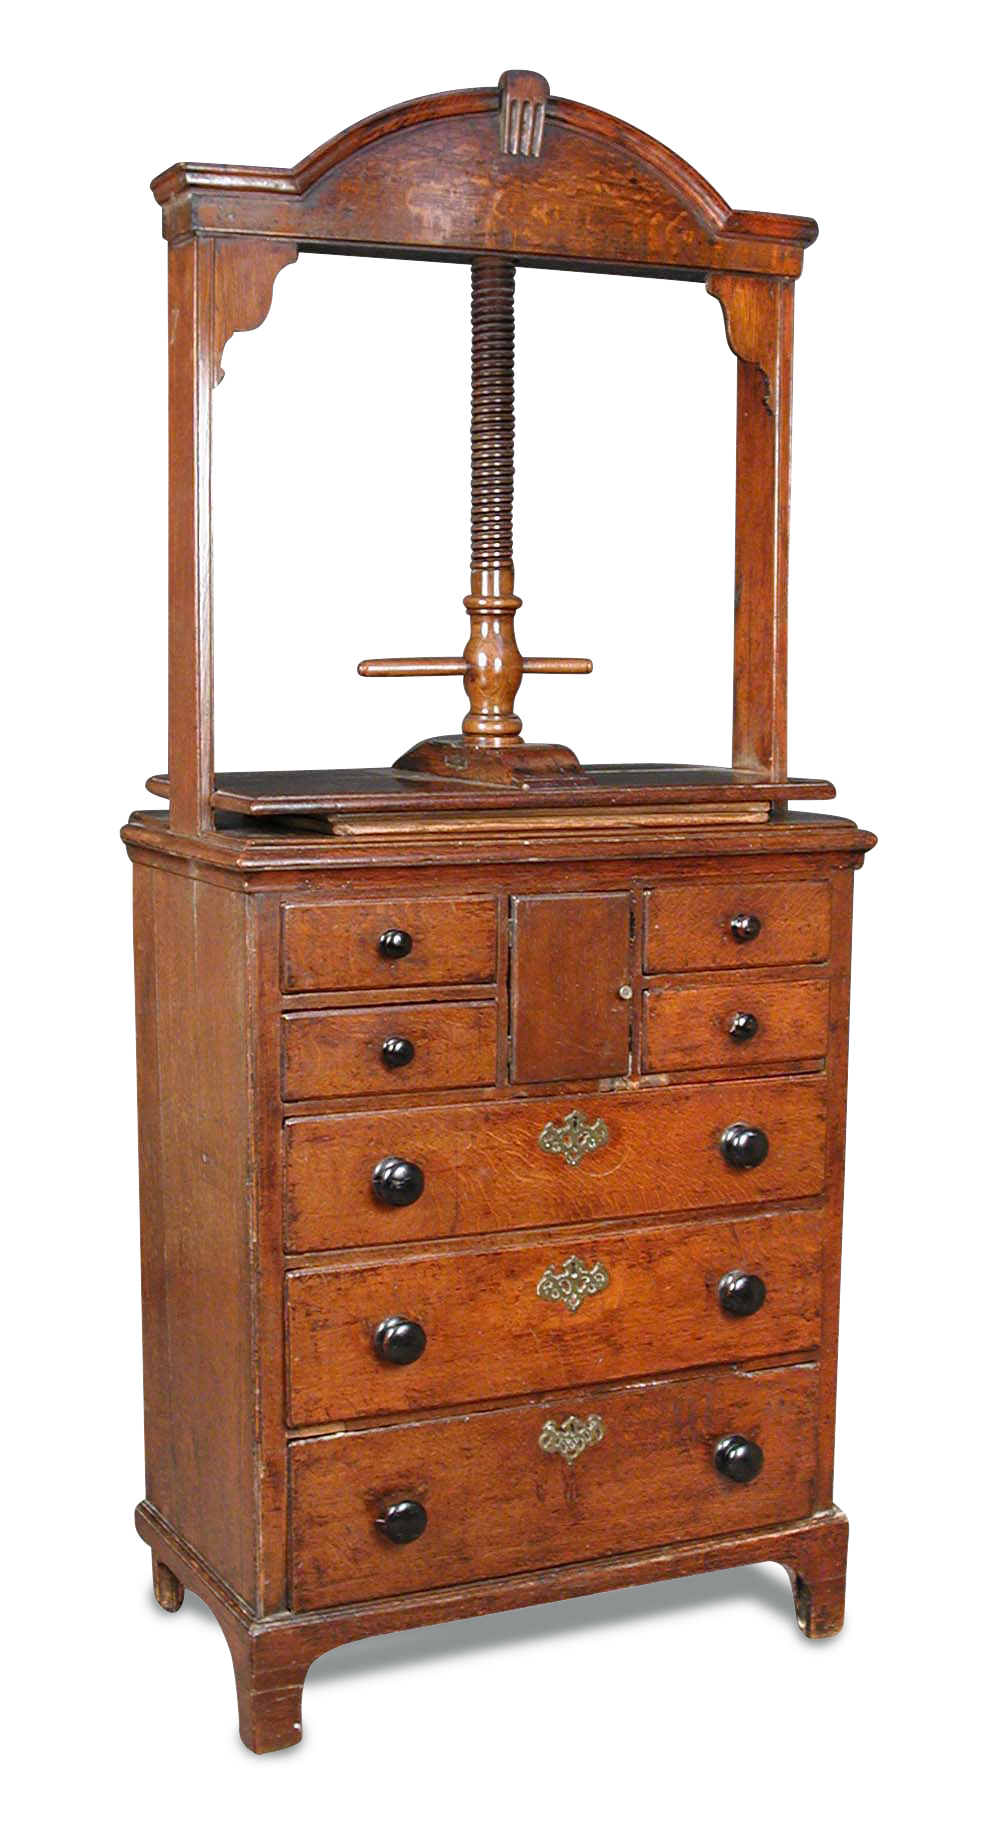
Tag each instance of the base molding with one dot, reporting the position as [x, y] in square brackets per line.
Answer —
[272, 1655]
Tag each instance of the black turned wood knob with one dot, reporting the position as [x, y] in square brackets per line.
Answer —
[397, 1051]
[744, 928]
[395, 943]
[743, 1146]
[740, 1293]
[396, 1182]
[743, 1027]
[403, 1523]
[399, 1341]
[738, 1459]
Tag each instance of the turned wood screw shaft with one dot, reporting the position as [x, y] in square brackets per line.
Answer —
[492, 422]
[493, 665]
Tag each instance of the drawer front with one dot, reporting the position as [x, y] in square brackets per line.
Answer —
[520, 1318]
[339, 1053]
[497, 1501]
[484, 1167]
[693, 927]
[329, 946]
[735, 1024]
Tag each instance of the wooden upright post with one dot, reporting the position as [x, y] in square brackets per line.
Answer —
[191, 293]
[758, 317]
[215, 286]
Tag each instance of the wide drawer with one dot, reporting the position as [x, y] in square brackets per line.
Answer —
[735, 1024]
[696, 926]
[498, 1164]
[343, 1053]
[502, 1494]
[385, 945]
[516, 1318]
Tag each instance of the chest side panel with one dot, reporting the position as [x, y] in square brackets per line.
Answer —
[195, 1154]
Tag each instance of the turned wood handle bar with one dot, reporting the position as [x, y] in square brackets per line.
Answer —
[430, 666]
[554, 663]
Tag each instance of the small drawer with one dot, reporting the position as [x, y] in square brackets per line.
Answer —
[370, 946]
[395, 1048]
[493, 1323]
[563, 1479]
[697, 927]
[735, 1024]
[501, 1164]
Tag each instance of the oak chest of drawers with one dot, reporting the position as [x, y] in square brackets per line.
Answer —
[491, 1108]
[424, 1338]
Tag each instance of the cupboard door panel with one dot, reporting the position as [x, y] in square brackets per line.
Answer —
[569, 962]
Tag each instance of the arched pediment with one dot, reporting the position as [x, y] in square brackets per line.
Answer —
[509, 170]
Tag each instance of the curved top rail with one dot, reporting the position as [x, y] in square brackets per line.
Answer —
[508, 170]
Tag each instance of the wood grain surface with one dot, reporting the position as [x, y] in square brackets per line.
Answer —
[196, 1218]
[687, 926]
[490, 1333]
[692, 1025]
[337, 1052]
[431, 176]
[570, 958]
[484, 1169]
[335, 945]
[497, 1503]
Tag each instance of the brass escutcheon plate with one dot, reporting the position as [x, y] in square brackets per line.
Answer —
[573, 1283]
[571, 1437]
[573, 1138]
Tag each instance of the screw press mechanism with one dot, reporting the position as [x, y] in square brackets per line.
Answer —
[490, 747]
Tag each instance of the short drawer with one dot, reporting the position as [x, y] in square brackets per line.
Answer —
[373, 946]
[337, 1053]
[499, 1164]
[520, 1318]
[692, 927]
[742, 1021]
[587, 1473]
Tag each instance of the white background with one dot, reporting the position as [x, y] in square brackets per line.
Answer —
[342, 527]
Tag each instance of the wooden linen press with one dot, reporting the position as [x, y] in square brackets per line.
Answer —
[339, 971]
[531, 181]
